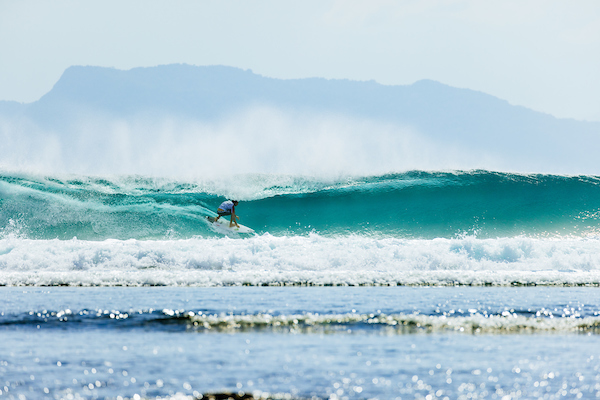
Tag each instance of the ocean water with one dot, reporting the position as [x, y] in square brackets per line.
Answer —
[456, 284]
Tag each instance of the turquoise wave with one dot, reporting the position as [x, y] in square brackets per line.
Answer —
[415, 204]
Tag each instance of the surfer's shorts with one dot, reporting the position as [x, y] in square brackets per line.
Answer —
[223, 213]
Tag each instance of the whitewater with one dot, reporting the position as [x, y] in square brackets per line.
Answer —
[419, 284]
[414, 228]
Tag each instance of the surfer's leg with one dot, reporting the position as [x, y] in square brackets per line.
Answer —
[221, 214]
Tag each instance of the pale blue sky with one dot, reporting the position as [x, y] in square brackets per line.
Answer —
[542, 54]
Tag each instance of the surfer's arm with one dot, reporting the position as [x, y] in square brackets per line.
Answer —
[234, 219]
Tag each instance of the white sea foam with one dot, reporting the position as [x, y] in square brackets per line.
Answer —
[300, 260]
[475, 323]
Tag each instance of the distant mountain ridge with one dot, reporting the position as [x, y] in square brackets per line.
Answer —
[208, 93]
[204, 92]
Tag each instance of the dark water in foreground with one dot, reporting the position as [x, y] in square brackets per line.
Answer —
[373, 342]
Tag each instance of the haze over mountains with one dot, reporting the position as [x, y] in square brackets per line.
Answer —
[177, 119]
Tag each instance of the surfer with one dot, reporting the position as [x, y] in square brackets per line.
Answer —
[228, 208]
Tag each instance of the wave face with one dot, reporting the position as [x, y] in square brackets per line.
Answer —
[411, 205]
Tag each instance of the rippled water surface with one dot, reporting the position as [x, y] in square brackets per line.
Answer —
[324, 342]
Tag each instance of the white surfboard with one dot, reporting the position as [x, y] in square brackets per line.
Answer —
[222, 226]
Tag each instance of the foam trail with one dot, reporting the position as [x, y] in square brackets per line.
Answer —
[311, 260]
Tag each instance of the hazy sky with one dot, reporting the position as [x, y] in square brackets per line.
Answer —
[542, 54]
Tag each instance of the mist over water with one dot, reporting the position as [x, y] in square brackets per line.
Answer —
[256, 140]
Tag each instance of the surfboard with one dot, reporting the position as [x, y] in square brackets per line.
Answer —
[222, 226]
